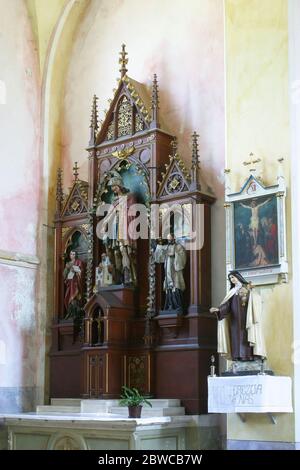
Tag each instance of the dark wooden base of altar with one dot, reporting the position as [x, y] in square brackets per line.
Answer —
[176, 366]
[66, 369]
[182, 358]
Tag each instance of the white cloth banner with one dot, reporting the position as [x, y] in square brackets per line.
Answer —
[250, 394]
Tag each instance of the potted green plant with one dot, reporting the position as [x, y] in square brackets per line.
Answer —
[132, 398]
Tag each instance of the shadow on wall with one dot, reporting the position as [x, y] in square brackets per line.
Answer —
[17, 399]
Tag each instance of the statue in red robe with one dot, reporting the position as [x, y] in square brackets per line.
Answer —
[74, 283]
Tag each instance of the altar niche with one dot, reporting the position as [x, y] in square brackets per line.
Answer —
[130, 317]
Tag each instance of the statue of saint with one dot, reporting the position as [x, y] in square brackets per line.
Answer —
[240, 336]
[105, 272]
[74, 282]
[173, 255]
[118, 239]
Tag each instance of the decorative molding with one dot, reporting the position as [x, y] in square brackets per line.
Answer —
[126, 152]
[85, 227]
[65, 230]
[20, 260]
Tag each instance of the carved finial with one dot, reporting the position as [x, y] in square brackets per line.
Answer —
[195, 154]
[174, 146]
[75, 171]
[94, 126]
[59, 190]
[195, 184]
[212, 366]
[227, 181]
[280, 168]
[154, 103]
[252, 162]
[123, 61]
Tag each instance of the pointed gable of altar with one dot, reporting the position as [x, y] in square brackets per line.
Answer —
[129, 112]
[176, 178]
[179, 180]
[77, 201]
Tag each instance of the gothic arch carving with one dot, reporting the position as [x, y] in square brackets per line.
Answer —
[66, 441]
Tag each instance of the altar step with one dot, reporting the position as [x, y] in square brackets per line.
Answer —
[148, 412]
[66, 401]
[46, 409]
[160, 407]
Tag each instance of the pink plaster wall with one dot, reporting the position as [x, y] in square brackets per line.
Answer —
[18, 327]
[19, 130]
[20, 177]
[183, 42]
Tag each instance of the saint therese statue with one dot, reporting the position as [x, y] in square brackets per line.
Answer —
[74, 281]
[240, 335]
[118, 238]
[173, 255]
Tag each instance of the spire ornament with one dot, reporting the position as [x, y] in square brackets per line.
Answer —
[154, 103]
[75, 172]
[174, 146]
[59, 191]
[123, 61]
[94, 126]
[195, 183]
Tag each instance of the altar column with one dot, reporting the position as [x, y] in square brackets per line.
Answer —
[200, 262]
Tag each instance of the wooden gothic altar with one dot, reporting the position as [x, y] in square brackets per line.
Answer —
[119, 333]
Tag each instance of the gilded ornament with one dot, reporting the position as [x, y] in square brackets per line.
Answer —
[125, 153]
[174, 183]
[75, 206]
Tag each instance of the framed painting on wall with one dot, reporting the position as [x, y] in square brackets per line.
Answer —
[255, 232]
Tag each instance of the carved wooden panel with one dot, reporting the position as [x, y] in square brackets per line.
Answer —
[124, 117]
[137, 370]
[95, 374]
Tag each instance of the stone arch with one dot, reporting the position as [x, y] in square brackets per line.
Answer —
[53, 77]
